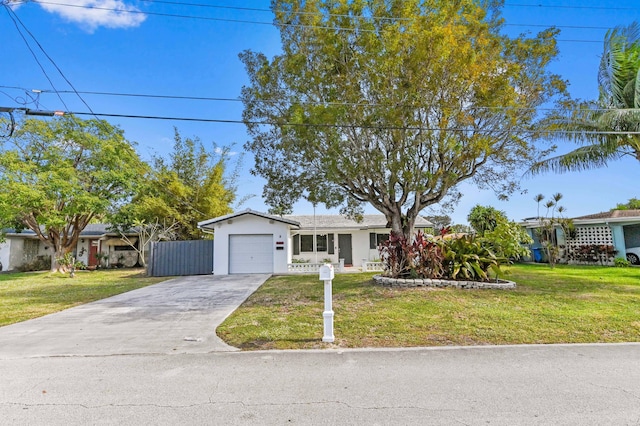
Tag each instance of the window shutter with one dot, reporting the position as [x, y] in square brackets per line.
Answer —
[330, 247]
[296, 244]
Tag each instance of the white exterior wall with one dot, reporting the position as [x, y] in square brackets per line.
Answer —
[5, 250]
[12, 252]
[310, 256]
[364, 251]
[82, 250]
[246, 225]
[16, 256]
[359, 246]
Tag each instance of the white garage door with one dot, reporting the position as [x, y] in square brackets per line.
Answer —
[251, 254]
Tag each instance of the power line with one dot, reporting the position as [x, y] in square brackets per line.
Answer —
[359, 104]
[569, 27]
[320, 125]
[345, 126]
[15, 19]
[12, 14]
[244, 21]
[557, 6]
[255, 9]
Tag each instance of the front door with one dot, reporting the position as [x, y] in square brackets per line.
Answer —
[344, 248]
[93, 250]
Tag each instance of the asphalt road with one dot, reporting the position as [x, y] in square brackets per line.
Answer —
[151, 356]
[517, 385]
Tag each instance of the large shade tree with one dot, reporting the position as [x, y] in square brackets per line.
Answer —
[609, 128]
[392, 103]
[57, 175]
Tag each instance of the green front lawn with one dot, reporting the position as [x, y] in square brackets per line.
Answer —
[568, 304]
[33, 294]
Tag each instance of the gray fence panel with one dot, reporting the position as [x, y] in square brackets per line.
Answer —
[170, 258]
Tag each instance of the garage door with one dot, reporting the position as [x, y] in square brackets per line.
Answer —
[250, 254]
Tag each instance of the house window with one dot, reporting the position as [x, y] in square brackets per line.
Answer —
[376, 239]
[30, 249]
[306, 243]
[321, 243]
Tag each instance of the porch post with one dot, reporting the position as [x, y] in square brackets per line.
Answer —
[617, 234]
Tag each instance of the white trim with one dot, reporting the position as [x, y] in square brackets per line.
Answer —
[205, 224]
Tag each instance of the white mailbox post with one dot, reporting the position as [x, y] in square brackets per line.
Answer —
[326, 275]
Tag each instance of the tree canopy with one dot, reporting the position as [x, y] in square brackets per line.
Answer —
[57, 175]
[632, 204]
[392, 103]
[607, 129]
[189, 187]
[485, 218]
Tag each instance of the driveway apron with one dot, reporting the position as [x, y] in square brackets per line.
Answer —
[176, 316]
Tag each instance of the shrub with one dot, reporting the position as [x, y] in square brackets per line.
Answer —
[621, 262]
[507, 239]
[468, 258]
[394, 253]
[425, 257]
[67, 261]
[592, 253]
[41, 263]
[465, 257]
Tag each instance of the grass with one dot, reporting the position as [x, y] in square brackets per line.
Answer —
[567, 304]
[33, 294]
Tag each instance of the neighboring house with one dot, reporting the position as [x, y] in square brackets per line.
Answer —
[617, 228]
[254, 242]
[21, 248]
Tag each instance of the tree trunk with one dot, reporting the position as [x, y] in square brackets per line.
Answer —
[59, 253]
[402, 224]
[55, 265]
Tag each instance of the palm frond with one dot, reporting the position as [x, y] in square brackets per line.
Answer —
[584, 158]
[619, 120]
[598, 127]
[636, 96]
[619, 65]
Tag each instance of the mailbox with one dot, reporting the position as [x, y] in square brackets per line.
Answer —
[326, 272]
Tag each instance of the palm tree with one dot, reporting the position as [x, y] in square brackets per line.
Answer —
[609, 128]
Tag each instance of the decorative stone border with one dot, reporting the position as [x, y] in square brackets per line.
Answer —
[428, 282]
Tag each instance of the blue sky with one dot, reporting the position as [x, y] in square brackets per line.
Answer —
[177, 49]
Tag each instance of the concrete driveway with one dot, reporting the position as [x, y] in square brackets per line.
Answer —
[176, 316]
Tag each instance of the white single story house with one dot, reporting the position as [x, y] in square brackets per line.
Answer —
[21, 248]
[617, 228]
[255, 242]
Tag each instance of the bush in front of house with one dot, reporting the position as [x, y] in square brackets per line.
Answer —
[592, 253]
[456, 258]
[40, 263]
[621, 262]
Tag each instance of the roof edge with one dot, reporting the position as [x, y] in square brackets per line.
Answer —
[205, 223]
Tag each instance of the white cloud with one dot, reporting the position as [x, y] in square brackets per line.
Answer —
[224, 151]
[92, 14]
